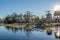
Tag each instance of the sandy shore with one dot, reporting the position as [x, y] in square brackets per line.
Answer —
[15, 25]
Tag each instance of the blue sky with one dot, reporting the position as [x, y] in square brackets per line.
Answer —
[38, 7]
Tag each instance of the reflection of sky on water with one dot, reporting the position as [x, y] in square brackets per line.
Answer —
[8, 34]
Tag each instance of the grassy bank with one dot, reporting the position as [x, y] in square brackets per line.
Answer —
[15, 25]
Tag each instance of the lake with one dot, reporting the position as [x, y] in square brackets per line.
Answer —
[7, 33]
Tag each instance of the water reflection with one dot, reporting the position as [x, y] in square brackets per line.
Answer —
[57, 32]
[13, 29]
[26, 33]
[40, 26]
[49, 31]
[27, 29]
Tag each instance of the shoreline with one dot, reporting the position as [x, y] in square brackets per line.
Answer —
[15, 25]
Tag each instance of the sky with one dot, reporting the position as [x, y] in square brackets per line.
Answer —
[37, 7]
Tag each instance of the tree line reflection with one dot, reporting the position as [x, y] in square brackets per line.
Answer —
[27, 28]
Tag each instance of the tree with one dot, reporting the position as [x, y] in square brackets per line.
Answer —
[27, 16]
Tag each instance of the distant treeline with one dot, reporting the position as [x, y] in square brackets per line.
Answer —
[15, 18]
[29, 18]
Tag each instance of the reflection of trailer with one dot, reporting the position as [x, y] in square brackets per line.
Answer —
[57, 33]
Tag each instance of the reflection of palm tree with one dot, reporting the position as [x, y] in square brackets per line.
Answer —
[12, 29]
[27, 29]
[7, 27]
[15, 30]
[28, 34]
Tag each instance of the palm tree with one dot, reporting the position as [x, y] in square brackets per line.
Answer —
[27, 16]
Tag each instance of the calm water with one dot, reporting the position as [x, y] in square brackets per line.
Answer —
[21, 34]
